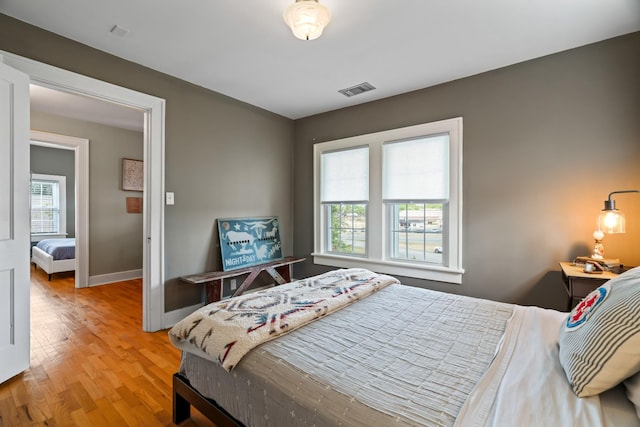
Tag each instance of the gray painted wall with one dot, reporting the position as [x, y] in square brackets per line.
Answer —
[52, 161]
[223, 158]
[545, 141]
[115, 236]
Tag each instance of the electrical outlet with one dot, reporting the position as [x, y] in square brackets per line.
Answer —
[233, 285]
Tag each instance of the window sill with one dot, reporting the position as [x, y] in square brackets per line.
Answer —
[427, 272]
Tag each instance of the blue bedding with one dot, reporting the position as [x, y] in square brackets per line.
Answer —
[59, 248]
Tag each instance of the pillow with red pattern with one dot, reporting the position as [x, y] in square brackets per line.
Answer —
[600, 340]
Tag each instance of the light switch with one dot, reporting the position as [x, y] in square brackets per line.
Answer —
[170, 198]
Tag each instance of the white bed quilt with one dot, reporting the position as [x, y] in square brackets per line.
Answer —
[403, 356]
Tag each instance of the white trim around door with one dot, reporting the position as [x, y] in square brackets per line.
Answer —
[153, 201]
[80, 146]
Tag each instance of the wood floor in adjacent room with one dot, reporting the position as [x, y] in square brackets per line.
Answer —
[91, 363]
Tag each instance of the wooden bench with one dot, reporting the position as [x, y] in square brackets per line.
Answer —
[280, 270]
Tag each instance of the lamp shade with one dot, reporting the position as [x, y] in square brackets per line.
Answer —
[611, 221]
[307, 19]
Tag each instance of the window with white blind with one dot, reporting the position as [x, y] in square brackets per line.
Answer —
[48, 205]
[392, 201]
[344, 198]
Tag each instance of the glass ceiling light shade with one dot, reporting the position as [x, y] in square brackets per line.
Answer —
[307, 19]
[611, 220]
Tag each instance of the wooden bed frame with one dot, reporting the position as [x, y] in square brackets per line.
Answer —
[48, 264]
[184, 396]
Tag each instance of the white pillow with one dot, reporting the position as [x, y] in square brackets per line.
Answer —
[633, 391]
[600, 340]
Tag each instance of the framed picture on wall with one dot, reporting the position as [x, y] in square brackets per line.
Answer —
[132, 175]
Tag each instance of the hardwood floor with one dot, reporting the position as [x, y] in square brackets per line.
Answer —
[91, 363]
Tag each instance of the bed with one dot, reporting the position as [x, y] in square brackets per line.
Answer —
[55, 255]
[400, 355]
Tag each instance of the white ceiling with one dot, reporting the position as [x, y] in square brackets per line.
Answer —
[85, 108]
[244, 50]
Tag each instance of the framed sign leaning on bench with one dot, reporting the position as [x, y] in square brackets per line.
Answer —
[245, 242]
[247, 246]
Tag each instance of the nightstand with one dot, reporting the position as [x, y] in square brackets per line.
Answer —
[578, 284]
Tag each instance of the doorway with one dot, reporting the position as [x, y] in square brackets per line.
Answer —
[153, 201]
[115, 132]
[80, 148]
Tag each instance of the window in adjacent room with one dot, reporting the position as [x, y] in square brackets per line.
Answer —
[48, 205]
[392, 201]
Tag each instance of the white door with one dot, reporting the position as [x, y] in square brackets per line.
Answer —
[14, 222]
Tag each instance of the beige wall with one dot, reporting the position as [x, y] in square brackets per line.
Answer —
[223, 158]
[115, 236]
[545, 141]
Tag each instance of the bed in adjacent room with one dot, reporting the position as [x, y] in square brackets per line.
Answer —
[391, 354]
[55, 255]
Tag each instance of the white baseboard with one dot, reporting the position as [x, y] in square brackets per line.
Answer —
[173, 317]
[121, 276]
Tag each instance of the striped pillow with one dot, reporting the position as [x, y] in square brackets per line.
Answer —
[600, 340]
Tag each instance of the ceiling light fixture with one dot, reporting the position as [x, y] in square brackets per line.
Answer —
[307, 19]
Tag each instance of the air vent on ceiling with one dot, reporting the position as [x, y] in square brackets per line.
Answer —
[357, 89]
[119, 31]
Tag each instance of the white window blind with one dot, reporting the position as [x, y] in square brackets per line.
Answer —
[48, 204]
[345, 175]
[44, 207]
[416, 169]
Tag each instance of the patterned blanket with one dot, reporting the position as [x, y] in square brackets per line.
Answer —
[225, 331]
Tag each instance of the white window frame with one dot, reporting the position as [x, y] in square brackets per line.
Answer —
[377, 242]
[62, 208]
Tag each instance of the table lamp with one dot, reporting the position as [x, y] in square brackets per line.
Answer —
[610, 221]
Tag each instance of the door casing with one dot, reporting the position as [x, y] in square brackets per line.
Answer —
[153, 200]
